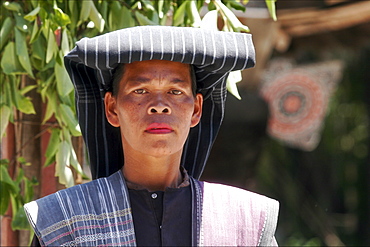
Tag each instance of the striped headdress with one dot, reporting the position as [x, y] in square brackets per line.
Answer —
[213, 55]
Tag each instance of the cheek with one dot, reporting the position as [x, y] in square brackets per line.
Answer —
[129, 112]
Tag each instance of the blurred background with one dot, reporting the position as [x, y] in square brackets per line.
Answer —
[300, 133]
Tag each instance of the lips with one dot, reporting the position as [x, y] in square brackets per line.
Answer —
[159, 128]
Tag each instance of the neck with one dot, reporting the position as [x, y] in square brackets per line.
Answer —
[153, 173]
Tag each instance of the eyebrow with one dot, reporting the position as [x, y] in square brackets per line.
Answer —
[143, 79]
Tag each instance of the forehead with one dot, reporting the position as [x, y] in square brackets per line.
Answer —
[145, 71]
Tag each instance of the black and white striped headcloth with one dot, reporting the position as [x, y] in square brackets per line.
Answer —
[212, 53]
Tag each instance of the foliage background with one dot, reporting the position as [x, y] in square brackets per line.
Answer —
[324, 194]
[35, 35]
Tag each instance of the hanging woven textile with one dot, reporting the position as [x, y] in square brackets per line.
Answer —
[298, 98]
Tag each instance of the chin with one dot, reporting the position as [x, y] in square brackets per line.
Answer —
[160, 150]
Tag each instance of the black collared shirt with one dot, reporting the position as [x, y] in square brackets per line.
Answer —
[162, 218]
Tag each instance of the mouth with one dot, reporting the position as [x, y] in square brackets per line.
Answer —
[159, 128]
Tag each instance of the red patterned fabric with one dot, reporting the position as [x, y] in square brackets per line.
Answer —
[298, 97]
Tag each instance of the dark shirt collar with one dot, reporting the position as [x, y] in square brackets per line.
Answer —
[185, 181]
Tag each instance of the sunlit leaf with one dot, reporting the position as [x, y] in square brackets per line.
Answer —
[233, 78]
[53, 145]
[62, 161]
[64, 84]
[52, 100]
[35, 32]
[32, 15]
[160, 8]
[19, 221]
[85, 9]
[194, 13]
[27, 89]
[178, 17]
[9, 61]
[5, 31]
[22, 52]
[96, 17]
[21, 102]
[61, 18]
[4, 115]
[143, 20]
[271, 7]
[25, 105]
[230, 16]
[209, 20]
[69, 119]
[13, 6]
[74, 162]
[52, 47]
[65, 43]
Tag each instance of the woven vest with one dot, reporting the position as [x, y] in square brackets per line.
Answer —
[98, 213]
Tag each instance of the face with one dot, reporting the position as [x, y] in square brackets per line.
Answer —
[154, 107]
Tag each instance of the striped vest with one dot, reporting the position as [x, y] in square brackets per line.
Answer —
[98, 214]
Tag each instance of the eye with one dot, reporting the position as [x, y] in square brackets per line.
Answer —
[140, 91]
[175, 92]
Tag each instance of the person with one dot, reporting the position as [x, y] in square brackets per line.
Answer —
[150, 101]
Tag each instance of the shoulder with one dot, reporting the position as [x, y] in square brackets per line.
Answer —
[50, 214]
[92, 186]
[253, 217]
[230, 193]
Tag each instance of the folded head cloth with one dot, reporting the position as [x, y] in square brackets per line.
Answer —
[212, 53]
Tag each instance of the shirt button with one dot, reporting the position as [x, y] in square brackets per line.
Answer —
[154, 195]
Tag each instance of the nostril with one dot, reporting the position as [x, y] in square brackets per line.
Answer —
[165, 110]
[153, 110]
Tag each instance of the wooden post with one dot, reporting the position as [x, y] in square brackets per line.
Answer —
[8, 236]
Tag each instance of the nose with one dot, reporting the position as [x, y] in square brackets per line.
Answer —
[159, 106]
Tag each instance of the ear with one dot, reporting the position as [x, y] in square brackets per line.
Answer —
[198, 107]
[110, 109]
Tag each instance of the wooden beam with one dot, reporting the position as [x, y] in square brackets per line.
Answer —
[298, 23]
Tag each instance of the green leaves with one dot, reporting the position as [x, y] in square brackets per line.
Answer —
[21, 102]
[61, 169]
[233, 78]
[143, 20]
[35, 36]
[68, 118]
[22, 51]
[194, 13]
[11, 193]
[272, 9]
[52, 47]
[5, 32]
[64, 84]
[230, 18]
[33, 14]
[4, 119]
[52, 147]
[178, 17]
[9, 62]
[88, 10]
[13, 6]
